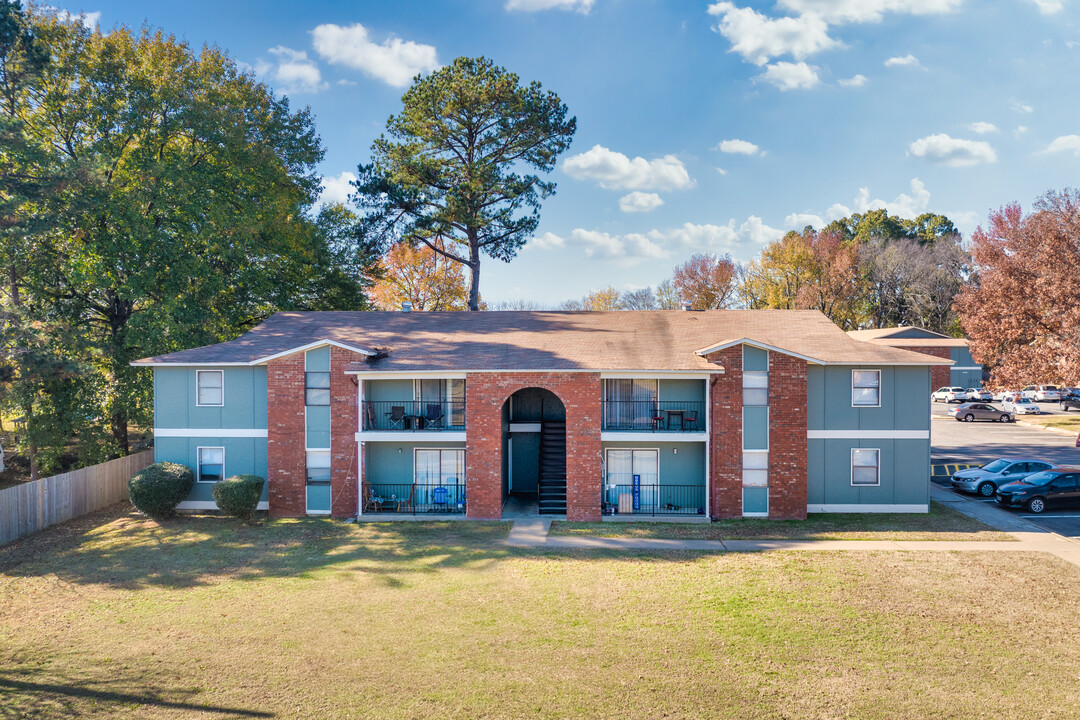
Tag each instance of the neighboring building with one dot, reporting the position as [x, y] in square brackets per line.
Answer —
[761, 413]
[964, 372]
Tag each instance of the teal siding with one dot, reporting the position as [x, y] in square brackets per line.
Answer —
[962, 356]
[318, 426]
[905, 472]
[244, 394]
[384, 464]
[964, 378]
[680, 463]
[682, 390]
[755, 359]
[242, 456]
[388, 390]
[317, 360]
[905, 399]
[755, 427]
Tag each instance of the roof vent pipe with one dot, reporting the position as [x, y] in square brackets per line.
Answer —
[685, 305]
[406, 306]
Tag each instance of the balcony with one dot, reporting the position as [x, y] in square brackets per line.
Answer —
[624, 497]
[414, 416]
[414, 499]
[675, 416]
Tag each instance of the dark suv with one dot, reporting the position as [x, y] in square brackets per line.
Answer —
[1069, 401]
[1058, 487]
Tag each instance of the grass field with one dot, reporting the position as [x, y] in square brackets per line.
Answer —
[116, 616]
[1061, 422]
[941, 523]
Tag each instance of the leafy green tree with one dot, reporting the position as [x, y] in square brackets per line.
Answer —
[453, 169]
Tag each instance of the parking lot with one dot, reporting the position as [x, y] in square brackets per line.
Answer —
[978, 443]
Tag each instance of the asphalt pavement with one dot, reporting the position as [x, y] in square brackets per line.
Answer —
[980, 442]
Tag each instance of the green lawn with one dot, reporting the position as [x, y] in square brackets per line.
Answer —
[116, 616]
[941, 523]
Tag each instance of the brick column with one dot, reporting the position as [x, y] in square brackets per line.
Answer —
[344, 462]
[485, 394]
[286, 458]
[939, 374]
[725, 435]
[787, 437]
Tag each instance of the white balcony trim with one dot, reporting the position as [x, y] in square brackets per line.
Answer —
[210, 432]
[658, 374]
[409, 436]
[652, 437]
[868, 434]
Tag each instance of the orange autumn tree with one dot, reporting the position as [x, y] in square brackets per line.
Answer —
[706, 281]
[1022, 310]
[420, 276]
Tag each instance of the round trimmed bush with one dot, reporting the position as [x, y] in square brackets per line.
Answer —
[239, 495]
[157, 490]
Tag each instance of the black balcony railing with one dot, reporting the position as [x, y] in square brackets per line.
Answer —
[652, 499]
[654, 416]
[414, 415]
[414, 498]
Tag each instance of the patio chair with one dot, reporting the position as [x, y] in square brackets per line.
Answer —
[440, 498]
[369, 416]
[689, 419]
[657, 418]
[434, 416]
[406, 504]
[396, 417]
[372, 502]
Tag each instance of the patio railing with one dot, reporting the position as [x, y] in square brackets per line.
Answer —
[414, 498]
[653, 416]
[646, 499]
[414, 415]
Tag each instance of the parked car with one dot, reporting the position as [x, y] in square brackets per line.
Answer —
[949, 394]
[1001, 394]
[970, 412]
[1069, 401]
[1042, 393]
[987, 479]
[1021, 406]
[978, 395]
[1056, 487]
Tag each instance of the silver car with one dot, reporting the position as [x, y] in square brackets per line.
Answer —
[986, 479]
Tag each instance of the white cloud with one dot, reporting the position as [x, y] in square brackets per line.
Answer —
[801, 220]
[908, 60]
[582, 6]
[791, 76]
[837, 12]
[982, 128]
[615, 171]
[638, 202]
[1021, 131]
[1065, 143]
[394, 61]
[905, 205]
[292, 72]
[89, 20]
[337, 189]
[547, 241]
[628, 249]
[952, 152]
[759, 38]
[721, 170]
[738, 147]
[1022, 108]
[1049, 7]
[854, 81]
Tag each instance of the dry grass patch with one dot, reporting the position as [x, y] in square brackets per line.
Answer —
[1060, 422]
[941, 523]
[204, 617]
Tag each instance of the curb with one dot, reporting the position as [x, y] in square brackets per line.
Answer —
[1056, 431]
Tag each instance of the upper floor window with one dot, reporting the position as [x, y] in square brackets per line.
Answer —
[866, 388]
[317, 388]
[210, 387]
[755, 387]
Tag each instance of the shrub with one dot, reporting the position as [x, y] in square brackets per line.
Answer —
[158, 489]
[239, 495]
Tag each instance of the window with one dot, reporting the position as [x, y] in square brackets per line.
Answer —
[211, 464]
[623, 465]
[317, 388]
[866, 388]
[439, 467]
[755, 387]
[755, 469]
[210, 387]
[865, 467]
[449, 394]
[318, 467]
[630, 403]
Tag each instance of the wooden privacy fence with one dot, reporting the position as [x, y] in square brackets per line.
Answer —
[34, 506]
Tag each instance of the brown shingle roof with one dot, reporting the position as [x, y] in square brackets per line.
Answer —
[534, 340]
[894, 337]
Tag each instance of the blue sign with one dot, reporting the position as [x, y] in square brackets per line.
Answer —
[637, 492]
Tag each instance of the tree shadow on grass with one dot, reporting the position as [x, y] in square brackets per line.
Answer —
[28, 694]
[126, 550]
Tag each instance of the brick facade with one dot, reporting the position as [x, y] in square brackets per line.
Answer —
[344, 463]
[285, 432]
[787, 437]
[485, 394]
[725, 435]
[939, 374]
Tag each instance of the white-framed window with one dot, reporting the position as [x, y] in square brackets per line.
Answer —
[316, 388]
[865, 467]
[439, 466]
[755, 387]
[318, 466]
[211, 464]
[210, 388]
[755, 468]
[866, 388]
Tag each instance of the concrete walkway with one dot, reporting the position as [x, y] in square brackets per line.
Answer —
[534, 533]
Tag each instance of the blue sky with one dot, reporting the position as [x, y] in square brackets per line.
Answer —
[702, 126]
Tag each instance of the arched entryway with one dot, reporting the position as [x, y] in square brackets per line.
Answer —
[534, 453]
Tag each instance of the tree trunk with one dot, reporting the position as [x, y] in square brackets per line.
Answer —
[35, 471]
[474, 272]
[119, 313]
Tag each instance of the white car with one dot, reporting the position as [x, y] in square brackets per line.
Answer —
[1042, 393]
[1020, 406]
[979, 395]
[949, 394]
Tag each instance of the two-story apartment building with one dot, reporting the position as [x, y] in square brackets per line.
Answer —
[964, 371]
[721, 414]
